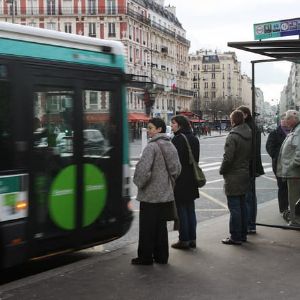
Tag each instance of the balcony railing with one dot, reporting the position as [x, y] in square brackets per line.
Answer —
[183, 92]
[43, 11]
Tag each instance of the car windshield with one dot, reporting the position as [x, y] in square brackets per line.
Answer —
[93, 135]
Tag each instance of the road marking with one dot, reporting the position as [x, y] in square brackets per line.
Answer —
[213, 199]
[268, 170]
[270, 178]
[213, 181]
[211, 169]
[211, 164]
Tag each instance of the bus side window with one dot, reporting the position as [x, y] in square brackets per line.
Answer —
[6, 140]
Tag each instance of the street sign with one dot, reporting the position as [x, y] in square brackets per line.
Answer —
[276, 29]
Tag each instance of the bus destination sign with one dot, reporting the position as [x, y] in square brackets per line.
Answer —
[276, 29]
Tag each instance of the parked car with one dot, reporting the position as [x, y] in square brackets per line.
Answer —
[94, 142]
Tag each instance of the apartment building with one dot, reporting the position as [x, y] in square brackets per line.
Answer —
[246, 88]
[217, 83]
[290, 96]
[155, 45]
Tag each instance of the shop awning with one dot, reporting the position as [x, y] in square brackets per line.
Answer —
[138, 117]
[197, 121]
[194, 118]
[96, 117]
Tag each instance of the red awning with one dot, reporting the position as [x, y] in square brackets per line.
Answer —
[138, 117]
[197, 121]
[96, 117]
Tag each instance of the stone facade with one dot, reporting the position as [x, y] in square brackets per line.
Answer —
[217, 83]
[155, 45]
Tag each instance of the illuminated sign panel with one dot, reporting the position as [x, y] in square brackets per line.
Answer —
[276, 29]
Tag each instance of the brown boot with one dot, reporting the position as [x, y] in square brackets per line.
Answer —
[181, 245]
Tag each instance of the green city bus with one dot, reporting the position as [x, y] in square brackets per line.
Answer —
[64, 165]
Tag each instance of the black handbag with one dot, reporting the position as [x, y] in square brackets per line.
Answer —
[198, 173]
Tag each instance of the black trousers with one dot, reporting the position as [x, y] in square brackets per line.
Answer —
[283, 201]
[153, 233]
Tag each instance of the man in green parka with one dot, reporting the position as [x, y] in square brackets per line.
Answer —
[235, 170]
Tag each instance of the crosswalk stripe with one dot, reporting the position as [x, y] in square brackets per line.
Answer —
[268, 170]
[213, 199]
[211, 164]
[211, 169]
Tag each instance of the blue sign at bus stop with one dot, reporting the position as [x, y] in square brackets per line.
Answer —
[276, 29]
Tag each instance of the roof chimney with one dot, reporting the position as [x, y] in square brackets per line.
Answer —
[171, 9]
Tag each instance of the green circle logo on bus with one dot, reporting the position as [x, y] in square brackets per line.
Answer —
[62, 200]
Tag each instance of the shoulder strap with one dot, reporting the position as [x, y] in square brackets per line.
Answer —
[162, 152]
[191, 156]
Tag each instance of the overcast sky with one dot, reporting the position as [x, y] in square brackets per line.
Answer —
[210, 24]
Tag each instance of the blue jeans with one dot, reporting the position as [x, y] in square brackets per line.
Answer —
[238, 217]
[187, 220]
[251, 201]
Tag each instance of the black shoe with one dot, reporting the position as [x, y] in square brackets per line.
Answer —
[181, 245]
[229, 241]
[160, 262]
[244, 240]
[141, 261]
[192, 244]
[251, 231]
[286, 215]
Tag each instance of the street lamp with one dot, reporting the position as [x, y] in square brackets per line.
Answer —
[12, 7]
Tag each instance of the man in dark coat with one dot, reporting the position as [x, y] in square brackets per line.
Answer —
[274, 142]
[186, 188]
[255, 167]
[235, 170]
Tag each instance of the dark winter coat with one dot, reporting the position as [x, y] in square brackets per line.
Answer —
[186, 188]
[259, 170]
[235, 164]
[274, 142]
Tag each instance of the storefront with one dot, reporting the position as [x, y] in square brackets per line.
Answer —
[137, 121]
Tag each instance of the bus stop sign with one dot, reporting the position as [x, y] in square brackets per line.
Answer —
[276, 29]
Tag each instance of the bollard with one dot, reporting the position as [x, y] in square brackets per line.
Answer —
[144, 139]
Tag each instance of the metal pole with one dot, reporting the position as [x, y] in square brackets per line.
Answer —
[13, 11]
[151, 63]
[253, 117]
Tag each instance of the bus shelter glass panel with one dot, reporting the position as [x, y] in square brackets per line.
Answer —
[53, 160]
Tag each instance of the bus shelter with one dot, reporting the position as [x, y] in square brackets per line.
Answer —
[273, 50]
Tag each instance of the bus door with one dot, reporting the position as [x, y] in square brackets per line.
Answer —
[76, 162]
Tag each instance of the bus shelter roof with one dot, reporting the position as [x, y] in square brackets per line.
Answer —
[288, 50]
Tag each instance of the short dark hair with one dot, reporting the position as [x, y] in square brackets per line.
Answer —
[182, 121]
[159, 123]
[246, 110]
[237, 117]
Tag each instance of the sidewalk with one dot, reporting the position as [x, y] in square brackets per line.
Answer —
[135, 147]
[266, 267]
